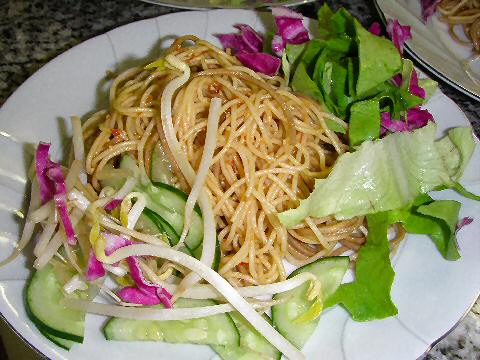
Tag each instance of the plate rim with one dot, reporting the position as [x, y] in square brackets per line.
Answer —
[427, 66]
[227, 7]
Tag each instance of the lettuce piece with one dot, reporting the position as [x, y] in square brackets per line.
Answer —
[456, 150]
[464, 192]
[324, 16]
[368, 297]
[443, 216]
[294, 52]
[312, 50]
[430, 86]
[303, 83]
[381, 175]
[364, 122]
[438, 219]
[378, 58]
[334, 126]
[398, 33]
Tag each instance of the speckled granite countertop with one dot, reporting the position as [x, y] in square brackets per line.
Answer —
[34, 32]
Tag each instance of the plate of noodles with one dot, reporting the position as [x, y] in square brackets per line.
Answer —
[445, 38]
[164, 199]
[225, 4]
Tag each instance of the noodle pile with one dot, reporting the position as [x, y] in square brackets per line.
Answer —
[464, 13]
[270, 146]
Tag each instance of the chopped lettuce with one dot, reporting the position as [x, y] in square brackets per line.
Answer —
[378, 58]
[383, 175]
[303, 83]
[464, 192]
[438, 219]
[364, 122]
[368, 297]
[445, 216]
[334, 126]
[456, 150]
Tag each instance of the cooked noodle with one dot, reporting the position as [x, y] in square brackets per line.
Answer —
[271, 144]
[465, 14]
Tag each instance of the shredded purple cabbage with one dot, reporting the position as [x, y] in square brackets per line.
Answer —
[290, 29]
[145, 292]
[247, 40]
[414, 88]
[375, 28]
[134, 295]
[463, 222]
[416, 118]
[52, 186]
[429, 7]
[398, 33]
[261, 62]
[95, 268]
[114, 242]
[146, 286]
[113, 204]
[42, 164]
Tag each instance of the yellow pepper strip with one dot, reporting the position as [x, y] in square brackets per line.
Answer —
[158, 65]
[312, 313]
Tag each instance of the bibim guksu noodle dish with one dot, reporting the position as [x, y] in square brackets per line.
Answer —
[183, 207]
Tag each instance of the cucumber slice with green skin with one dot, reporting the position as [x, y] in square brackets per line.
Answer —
[330, 272]
[169, 203]
[42, 297]
[212, 330]
[146, 225]
[63, 343]
[163, 226]
[160, 166]
[253, 346]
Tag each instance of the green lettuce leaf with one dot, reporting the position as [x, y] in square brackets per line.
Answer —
[443, 217]
[368, 297]
[364, 122]
[382, 175]
[379, 59]
[437, 219]
[295, 52]
[461, 190]
[334, 126]
[430, 86]
[303, 83]
[324, 16]
[456, 149]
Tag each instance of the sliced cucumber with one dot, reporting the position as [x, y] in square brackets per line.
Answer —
[212, 330]
[63, 343]
[115, 182]
[162, 225]
[146, 225]
[253, 346]
[169, 202]
[330, 272]
[43, 295]
[160, 166]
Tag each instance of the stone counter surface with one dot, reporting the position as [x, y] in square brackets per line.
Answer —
[34, 32]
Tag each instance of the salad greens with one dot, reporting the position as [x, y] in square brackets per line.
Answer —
[384, 175]
[368, 297]
[360, 76]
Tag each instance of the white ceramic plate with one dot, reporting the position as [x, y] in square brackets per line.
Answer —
[431, 294]
[226, 4]
[432, 46]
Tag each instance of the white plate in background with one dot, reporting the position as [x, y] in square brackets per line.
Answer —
[432, 46]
